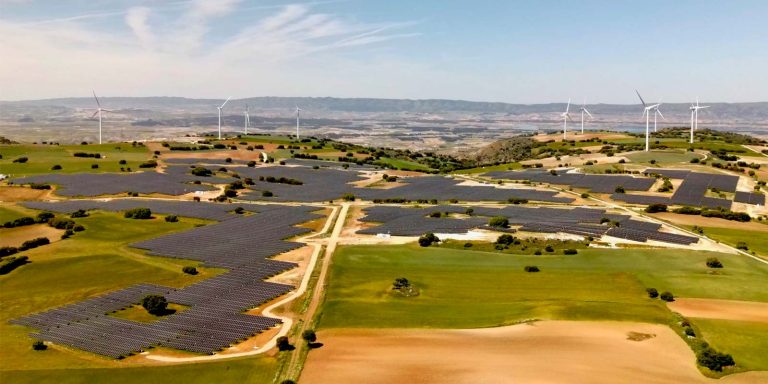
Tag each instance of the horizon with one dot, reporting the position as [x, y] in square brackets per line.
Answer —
[522, 53]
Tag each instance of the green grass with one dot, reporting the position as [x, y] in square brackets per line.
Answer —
[663, 156]
[138, 313]
[260, 370]
[404, 165]
[746, 341]
[9, 212]
[684, 144]
[43, 157]
[461, 288]
[490, 168]
[526, 246]
[756, 241]
[90, 263]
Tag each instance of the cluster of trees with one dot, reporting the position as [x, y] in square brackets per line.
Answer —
[721, 213]
[8, 264]
[654, 293]
[155, 304]
[85, 154]
[428, 239]
[498, 222]
[712, 359]
[656, 207]
[280, 180]
[138, 213]
[148, 164]
[201, 171]
[666, 185]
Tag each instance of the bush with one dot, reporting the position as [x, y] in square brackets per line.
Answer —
[155, 304]
[690, 332]
[652, 293]
[171, 218]
[148, 164]
[189, 270]
[531, 268]
[60, 223]
[230, 193]
[21, 160]
[56, 167]
[549, 248]
[714, 360]
[267, 194]
[570, 252]
[94, 166]
[201, 171]
[79, 213]
[667, 296]
[39, 346]
[138, 213]
[619, 189]
[34, 243]
[656, 207]
[499, 222]
[348, 197]
[78, 228]
[309, 336]
[713, 262]
[283, 344]
[428, 239]
[251, 164]
[742, 246]
[505, 239]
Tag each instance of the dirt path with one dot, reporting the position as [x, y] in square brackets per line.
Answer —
[542, 352]
[721, 309]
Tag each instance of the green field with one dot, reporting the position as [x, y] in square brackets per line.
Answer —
[259, 370]
[757, 242]
[490, 168]
[90, 263]
[465, 289]
[404, 165]
[684, 144]
[43, 157]
[746, 341]
[9, 212]
[668, 157]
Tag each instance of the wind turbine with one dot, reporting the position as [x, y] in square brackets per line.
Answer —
[647, 113]
[219, 108]
[695, 116]
[566, 117]
[298, 113]
[583, 110]
[98, 111]
[247, 119]
[656, 113]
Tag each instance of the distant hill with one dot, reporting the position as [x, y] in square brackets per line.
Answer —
[743, 111]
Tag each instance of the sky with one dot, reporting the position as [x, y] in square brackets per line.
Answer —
[536, 51]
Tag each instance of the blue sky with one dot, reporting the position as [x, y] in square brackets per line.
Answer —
[510, 51]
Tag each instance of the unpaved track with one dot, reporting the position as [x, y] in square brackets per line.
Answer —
[544, 352]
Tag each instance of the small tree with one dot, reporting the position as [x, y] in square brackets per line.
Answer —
[283, 344]
[656, 207]
[713, 262]
[531, 268]
[667, 296]
[427, 239]
[652, 293]
[505, 239]
[401, 282]
[138, 213]
[172, 218]
[619, 189]
[39, 346]
[499, 222]
[189, 270]
[309, 336]
[348, 197]
[154, 304]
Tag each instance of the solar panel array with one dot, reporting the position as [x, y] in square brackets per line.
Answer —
[595, 183]
[214, 319]
[200, 210]
[750, 198]
[580, 221]
[692, 190]
[175, 180]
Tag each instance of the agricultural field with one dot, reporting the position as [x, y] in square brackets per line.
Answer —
[42, 157]
[668, 157]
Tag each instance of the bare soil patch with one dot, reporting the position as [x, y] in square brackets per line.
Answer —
[14, 237]
[710, 222]
[721, 309]
[18, 193]
[541, 352]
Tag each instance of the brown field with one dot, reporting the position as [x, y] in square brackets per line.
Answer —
[14, 237]
[573, 135]
[721, 309]
[17, 193]
[710, 222]
[542, 352]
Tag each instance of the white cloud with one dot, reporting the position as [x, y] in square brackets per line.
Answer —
[137, 19]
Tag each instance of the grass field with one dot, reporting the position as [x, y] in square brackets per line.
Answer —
[465, 289]
[259, 370]
[663, 157]
[91, 262]
[43, 157]
[490, 168]
[9, 212]
[684, 144]
[756, 242]
[404, 165]
[746, 341]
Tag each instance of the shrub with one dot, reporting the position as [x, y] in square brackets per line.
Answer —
[154, 304]
[537, 252]
[656, 207]
[505, 239]
[171, 218]
[283, 344]
[266, 194]
[348, 197]
[21, 160]
[251, 164]
[60, 223]
[742, 245]
[570, 252]
[34, 243]
[667, 296]
[201, 171]
[531, 268]
[43, 217]
[515, 200]
[230, 193]
[56, 167]
[122, 162]
[94, 166]
[428, 239]
[584, 195]
[39, 346]
[138, 213]
[690, 332]
[39, 186]
[714, 360]
[619, 189]
[189, 270]
[652, 293]
[549, 248]
[148, 164]
[79, 213]
[78, 228]
[499, 222]
[309, 336]
[713, 262]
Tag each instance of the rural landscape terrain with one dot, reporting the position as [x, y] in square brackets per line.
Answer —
[271, 259]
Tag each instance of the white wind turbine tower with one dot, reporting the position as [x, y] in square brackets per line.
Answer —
[695, 116]
[219, 108]
[656, 113]
[98, 111]
[583, 110]
[298, 113]
[566, 117]
[247, 119]
[647, 113]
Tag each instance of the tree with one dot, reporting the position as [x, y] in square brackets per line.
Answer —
[656, 207]
[200, 171]
[154, 304]
[619, 189]
[505, 239]
[189, 270]
[713, 262]
[348, 197]
[138, 213]
[570, 251]
[499, 222]
[652, 293]
[39, 346]
[309, 336]
[531, 268]
[283, 344]
[714, 360]
[427, 239]
[171, 218]
[667, 296]
[401, 282]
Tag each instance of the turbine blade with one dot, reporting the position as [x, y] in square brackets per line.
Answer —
[568, 106]
[641, 98]
[97, 99]
[94, 114]
[225, 103]
[659, 112]
[585, 110]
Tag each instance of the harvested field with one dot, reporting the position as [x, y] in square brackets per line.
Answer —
[721, 309]
[675, 218]
[18, 193]
[542, 352]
